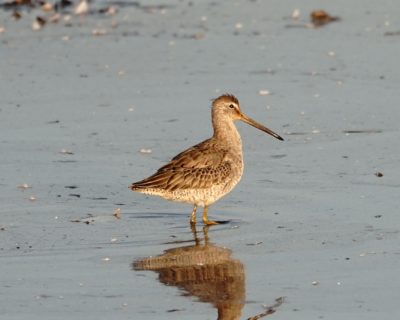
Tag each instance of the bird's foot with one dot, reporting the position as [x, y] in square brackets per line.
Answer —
[210, 222]
[205, 218]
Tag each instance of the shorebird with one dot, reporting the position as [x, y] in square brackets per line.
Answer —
[209, 170]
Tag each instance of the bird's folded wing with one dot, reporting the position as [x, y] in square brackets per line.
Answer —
[198, 167]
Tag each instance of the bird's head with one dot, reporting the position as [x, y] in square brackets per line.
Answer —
[228, 106]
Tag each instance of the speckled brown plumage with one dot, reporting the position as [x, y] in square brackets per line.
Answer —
[201, 166]
[207, 171]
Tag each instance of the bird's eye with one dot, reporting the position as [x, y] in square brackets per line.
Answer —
[231, 106]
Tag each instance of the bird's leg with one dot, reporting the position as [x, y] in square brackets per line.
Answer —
[194, 232]
[193, 215]
[205, 233]
[205, 218]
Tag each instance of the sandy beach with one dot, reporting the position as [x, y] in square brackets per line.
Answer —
[91, 102]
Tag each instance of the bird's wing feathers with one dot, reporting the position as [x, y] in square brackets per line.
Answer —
[198, 167]
[202, 155]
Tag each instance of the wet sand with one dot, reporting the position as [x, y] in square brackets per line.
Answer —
[92, 103]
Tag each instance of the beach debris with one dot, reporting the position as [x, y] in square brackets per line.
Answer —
[117, 213]
[16, 3]
[379, 174]
[254, 243]
[38, 23]
[269, 309]
[24, 186]
[315, 283]
[363, 131]
[363, 254]
[239, 26]
[66, 152]
[71, 187]
[89, 219]
[145, 151]
[320, 18]
[296, 14]
[55, 18]
[109, 11]
[47, 7]
[175, 310]
[76, 195]
[331, 53]
[81, 8]
[99, 32]
[53, 122]
[59, 5]
[16, 15]
[264, 92]
[102, 218]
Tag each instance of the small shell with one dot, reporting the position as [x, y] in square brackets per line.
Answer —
[24, 186]
[264, 93]
[296, 14]
[99, 32]
[38, 23]
[65, 151]
[47, 6]
[117, 213]
[81, 8]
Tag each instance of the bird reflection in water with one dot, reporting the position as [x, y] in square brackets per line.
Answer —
[205, 271]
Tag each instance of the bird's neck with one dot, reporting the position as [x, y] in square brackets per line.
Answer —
[226, 132]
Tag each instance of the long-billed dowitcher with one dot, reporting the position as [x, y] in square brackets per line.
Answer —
[209, 170]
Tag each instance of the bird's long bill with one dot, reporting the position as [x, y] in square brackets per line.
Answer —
[255, 124]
